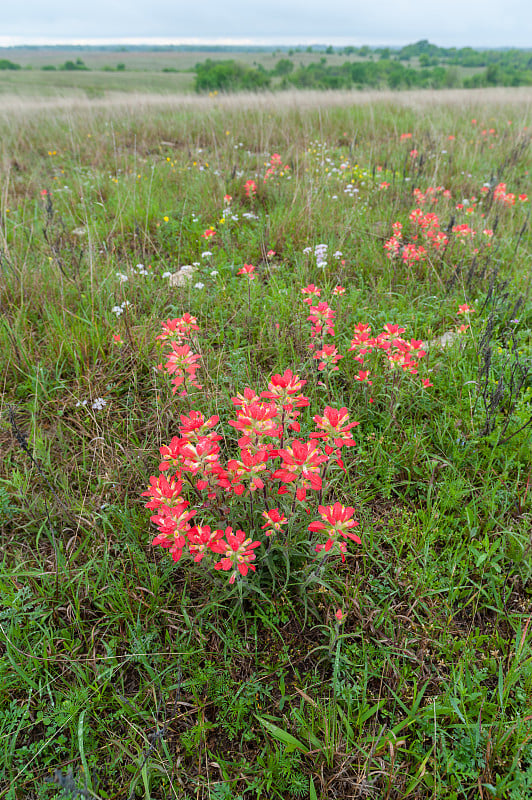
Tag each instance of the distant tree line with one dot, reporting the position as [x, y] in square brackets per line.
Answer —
[230, 76]
[68, 66]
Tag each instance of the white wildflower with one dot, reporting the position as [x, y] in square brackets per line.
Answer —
[99, 403]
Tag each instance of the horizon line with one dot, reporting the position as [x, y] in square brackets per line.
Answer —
[7, 42]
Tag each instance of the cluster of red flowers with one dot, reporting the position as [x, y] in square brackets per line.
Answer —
[181, 361]
[250, 188]
[276, 168]
[321, 318]
[398, 351]
[507, 198]
[463, 232]
[271, 464]
[426, 238]
[430, 195]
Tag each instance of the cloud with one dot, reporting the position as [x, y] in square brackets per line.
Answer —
[475, 22]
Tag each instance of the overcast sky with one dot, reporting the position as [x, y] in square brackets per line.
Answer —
[488, 23]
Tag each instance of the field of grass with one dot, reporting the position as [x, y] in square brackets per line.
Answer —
[404, 671]
[157, 71]
[145, 70]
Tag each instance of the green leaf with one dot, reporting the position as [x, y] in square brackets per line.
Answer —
[283, 736]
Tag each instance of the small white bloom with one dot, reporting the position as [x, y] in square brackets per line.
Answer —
[121, 277]
[199, 285]
[166, 274]
[214, 273]
[206, 254]
[117, 310]
[99, 403]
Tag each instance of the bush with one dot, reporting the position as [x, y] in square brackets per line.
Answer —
[229, 76]
[6, 64]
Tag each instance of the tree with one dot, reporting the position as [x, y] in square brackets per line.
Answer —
[283, 67]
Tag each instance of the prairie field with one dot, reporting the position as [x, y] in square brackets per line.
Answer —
[316, 309]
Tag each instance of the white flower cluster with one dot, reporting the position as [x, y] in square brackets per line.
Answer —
[118, 310]
[140, 269]
[320, 254]
[320, 251]
[351, 190]
[97, 404]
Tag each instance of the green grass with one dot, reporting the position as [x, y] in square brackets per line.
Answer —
[125, 675]
[144, 70]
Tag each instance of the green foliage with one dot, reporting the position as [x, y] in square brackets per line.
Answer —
[123, 675]
[229, 76]
[283, 67]
[5, 63]
[73, 66]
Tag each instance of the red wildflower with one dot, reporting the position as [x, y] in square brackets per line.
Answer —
[274, 521]
[312, 291]
[173, 524]
[284, 390]
[196, 426]
[335, 427]
[202, 541]
[163, 492]
[250, 188]
[238, 553]
[322, 317]
[336, 521]
[248, 470]
[302, 463]
[328, 357]
[248, 270]
[178, 329]
[254, 420]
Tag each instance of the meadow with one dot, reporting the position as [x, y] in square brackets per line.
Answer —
[96, 72]
[336, 290]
